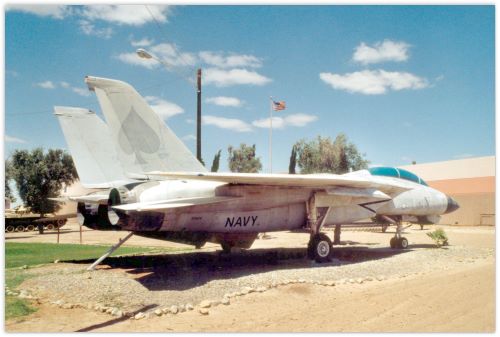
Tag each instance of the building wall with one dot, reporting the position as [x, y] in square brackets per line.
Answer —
[471, 182]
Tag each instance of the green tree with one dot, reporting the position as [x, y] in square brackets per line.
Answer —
[8, 178]
[322, 155]
[41, 175]
[215, 163]
[243, 159]
[293, 160]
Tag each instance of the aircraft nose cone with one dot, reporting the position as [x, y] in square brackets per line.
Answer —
[452, 206]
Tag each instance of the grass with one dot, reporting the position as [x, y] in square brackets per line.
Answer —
[17, 308]
[31, 254]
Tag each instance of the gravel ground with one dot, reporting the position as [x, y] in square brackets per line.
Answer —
[149, 282]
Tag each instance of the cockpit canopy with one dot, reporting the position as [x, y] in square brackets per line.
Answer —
[396, 173]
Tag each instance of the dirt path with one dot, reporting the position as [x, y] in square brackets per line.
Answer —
[454, 301]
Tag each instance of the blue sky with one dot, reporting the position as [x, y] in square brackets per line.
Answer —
[403, 83]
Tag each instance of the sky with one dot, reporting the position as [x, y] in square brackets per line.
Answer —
[404, 83]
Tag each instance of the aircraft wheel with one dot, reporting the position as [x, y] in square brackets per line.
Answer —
[402, 243]
[310, 250]
[50, 226]
[9, 229]
[393, 242]
[226, 247]
[322, 248]
[30, 228]
[20, 228]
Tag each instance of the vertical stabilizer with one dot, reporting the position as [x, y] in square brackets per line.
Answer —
[91, 147]
[142, 138]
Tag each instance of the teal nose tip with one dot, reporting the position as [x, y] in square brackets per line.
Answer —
[452, 206]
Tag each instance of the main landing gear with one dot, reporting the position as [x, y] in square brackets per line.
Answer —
[398, 241]
[319, 247]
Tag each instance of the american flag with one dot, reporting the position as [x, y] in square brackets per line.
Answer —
[279, 105]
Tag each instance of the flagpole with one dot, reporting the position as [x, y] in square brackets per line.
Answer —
[270, 134]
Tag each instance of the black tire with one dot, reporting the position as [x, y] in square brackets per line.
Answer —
[30, 228]
[10, 229]
[226, 247]
[60, 222]
[322, 248]
[393, 243]
[49, 226]
[20, 228]
[403, 243]
[310, 250]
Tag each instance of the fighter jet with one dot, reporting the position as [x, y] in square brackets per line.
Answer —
[157, 188]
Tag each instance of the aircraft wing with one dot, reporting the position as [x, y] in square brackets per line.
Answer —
[323, 181]
[172, 203]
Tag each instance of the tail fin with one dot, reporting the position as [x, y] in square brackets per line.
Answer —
[142, 138]
[90, 145]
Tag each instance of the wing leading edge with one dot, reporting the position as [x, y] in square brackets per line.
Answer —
[293, 180]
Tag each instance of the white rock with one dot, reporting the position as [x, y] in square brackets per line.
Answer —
[359, 280]
[67, 306]
[158, 312]
[182, 308]
[117, 312]
[225, 301]
[109, 310]
[205, 304]
[139, 315]
[261, 289]
[56, 261]
[174, 309]
[203, 311]
[189, 307]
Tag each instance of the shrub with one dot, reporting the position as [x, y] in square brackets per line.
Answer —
[439, 236]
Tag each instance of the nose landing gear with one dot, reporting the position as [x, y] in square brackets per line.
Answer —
[398, 241]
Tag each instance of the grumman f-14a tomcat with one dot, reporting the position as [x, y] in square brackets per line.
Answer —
[150, 184]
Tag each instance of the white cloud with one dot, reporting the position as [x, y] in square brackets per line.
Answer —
[167, 52]
[9, 139]
[89, 29]
[170, 54]
[463, 156]
[132, 58]
[224, 101]
[374, 82]
[81, 91]
[381, 52]
[224, 78]
[219, 60]
[46, 85]
[298, 120]
[65, 84]
[190, 121]
[135, 15]
[227, 123]
[163, 108]
[189, 137]
[144, 42]
[12, 73]
[54, 11]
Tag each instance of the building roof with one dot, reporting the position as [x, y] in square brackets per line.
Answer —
[455, 169]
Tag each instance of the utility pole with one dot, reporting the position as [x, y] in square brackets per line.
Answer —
[198, 118]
